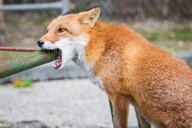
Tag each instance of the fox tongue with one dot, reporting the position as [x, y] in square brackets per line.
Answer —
[58, 61]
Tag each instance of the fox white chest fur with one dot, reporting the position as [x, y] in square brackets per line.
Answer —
[80, 60]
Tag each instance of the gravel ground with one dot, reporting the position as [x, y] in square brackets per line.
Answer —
[65, 103]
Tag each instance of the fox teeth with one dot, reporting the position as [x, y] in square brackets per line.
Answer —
[54, 65]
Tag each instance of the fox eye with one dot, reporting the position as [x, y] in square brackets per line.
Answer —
[61, 30]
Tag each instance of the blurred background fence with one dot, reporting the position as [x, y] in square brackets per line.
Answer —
[63, 5]
[168, 9]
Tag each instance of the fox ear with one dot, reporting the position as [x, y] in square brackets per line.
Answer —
[90, 16]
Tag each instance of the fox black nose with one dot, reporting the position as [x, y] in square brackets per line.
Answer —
[40, 43]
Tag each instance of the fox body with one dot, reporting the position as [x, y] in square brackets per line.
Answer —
[127, 67]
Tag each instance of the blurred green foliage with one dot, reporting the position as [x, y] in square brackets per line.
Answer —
[176, 34]
[22, 83]
[46, 126]
[79, 6]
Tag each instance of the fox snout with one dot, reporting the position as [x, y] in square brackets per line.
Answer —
[40, 43]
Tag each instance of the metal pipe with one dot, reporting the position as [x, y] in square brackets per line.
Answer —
[65, 6]
[18, 49]
[34, 6]
[14, 62]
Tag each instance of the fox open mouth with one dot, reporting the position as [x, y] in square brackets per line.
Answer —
[58, 56]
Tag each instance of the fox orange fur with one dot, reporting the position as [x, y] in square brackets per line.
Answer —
[131, 69]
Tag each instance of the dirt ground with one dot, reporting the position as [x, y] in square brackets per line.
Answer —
[64, 103]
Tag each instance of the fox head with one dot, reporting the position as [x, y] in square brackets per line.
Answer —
[68, 33]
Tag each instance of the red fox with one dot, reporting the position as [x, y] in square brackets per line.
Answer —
[129, 68]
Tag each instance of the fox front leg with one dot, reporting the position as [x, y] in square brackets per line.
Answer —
[142, 123]
[120, 111]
